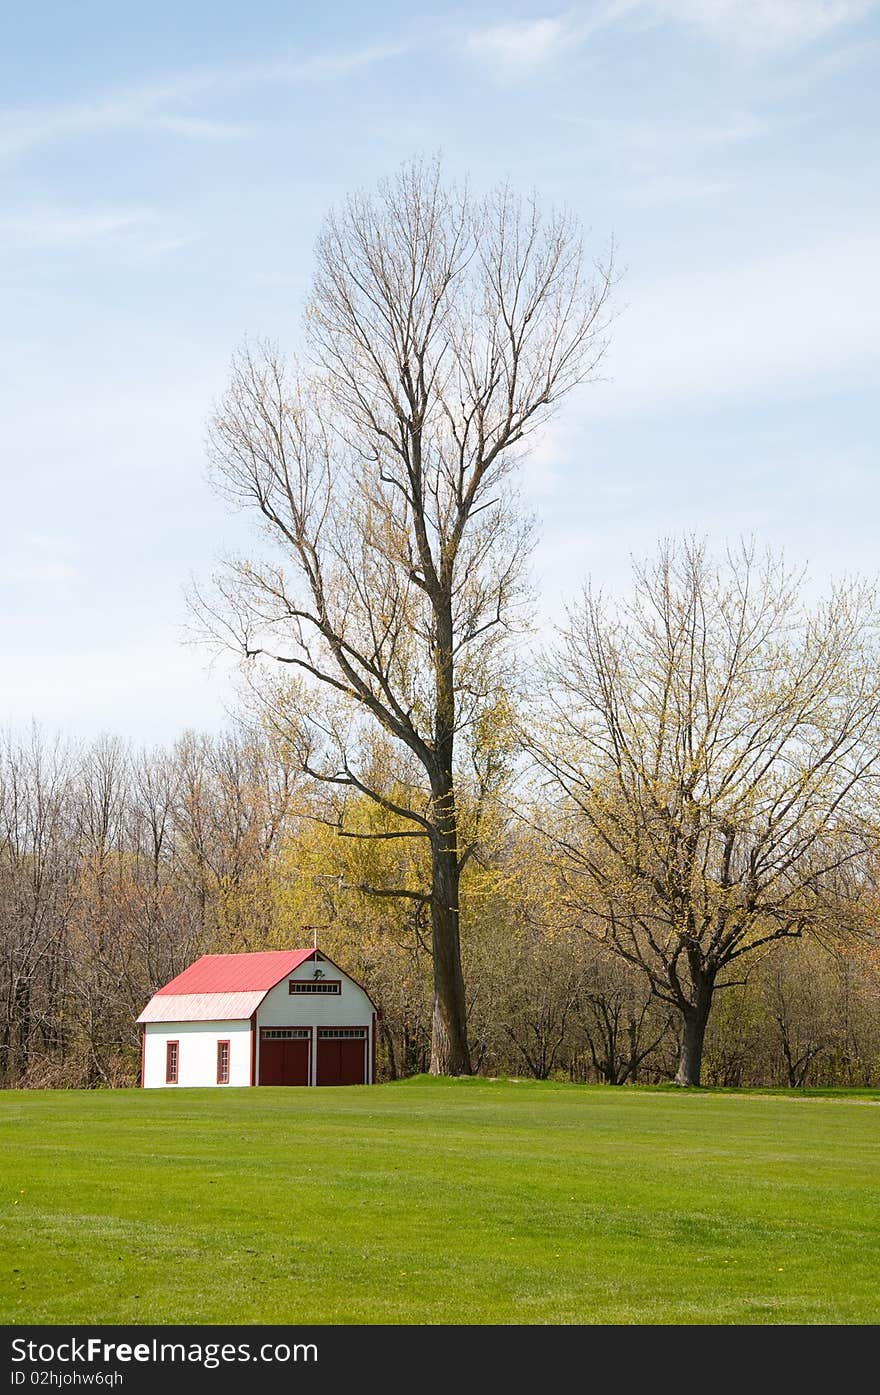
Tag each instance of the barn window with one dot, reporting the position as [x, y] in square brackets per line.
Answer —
[223, 1063]
[286, 1033]
[172, 1061]
[320, 985]
[340, 1033]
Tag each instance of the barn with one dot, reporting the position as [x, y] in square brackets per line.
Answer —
[282, 1017]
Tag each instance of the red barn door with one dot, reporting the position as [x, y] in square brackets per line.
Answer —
[284, 1055]
[342, 1055]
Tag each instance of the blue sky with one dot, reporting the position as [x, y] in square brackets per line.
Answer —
[163, 173]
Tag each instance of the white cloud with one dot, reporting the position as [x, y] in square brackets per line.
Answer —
[657, 162]
[64, 227]
[162, 106]
[44, 572]
[143, 683]
[164, 246]
[657, 189]
[513, 49]
[196, 127]
[330, 65]
[138, 108]
[646, 140]
[798, 314]
[761, 25]
[758, 26]
[817, 506]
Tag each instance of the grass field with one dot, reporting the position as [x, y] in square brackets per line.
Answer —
[439, 1202]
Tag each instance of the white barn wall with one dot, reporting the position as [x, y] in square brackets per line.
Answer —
[281, 1008]
[197, 1055]
[350, 1008]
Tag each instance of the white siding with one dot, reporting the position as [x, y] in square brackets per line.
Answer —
[281, 1008]
[197, 1052]
[350, 1008]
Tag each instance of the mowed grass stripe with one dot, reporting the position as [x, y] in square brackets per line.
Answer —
[436, 1202]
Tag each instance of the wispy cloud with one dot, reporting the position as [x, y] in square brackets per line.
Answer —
[655, 162]
[164, 106]
[512, 49]
[35, 559]
[45, 573]
[640, 143]
[153, 248]
[661, 190]
[197, 127]
[65, 227]
[330, 65]
[83, 686]
[647, 139]
[757, 25]
[797, 316]
[143, 107]
[530, 45]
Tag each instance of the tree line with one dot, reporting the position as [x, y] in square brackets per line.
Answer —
[119, 866]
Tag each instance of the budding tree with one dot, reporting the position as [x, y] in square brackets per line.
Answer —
[714, 745]
[441, 331]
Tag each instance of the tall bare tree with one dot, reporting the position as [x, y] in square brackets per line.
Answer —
[714, 746]
[442, 329]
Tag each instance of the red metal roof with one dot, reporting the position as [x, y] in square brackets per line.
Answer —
[237, 973]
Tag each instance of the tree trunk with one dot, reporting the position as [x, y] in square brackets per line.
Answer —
[694, 1019]
[449, 1045]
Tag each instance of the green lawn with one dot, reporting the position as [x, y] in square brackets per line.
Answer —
[439, 1202]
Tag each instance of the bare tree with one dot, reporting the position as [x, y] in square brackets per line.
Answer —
[618, 1019]
[798, 997]
[442, 329]
[714, 747]
[38, 891]
[542, 1000]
